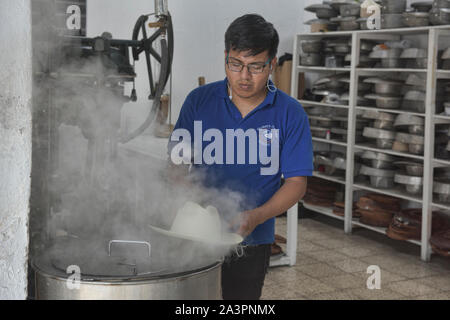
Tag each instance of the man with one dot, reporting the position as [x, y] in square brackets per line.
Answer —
[277, 140]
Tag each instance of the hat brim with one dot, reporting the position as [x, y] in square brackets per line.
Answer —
[228, 239]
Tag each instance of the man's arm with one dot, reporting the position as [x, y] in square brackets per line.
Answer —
[290, 193]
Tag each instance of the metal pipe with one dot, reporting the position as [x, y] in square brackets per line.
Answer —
[161, 8]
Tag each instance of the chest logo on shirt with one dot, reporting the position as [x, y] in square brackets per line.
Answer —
[267, 134]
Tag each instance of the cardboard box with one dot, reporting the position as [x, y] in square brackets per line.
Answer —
[282, 79]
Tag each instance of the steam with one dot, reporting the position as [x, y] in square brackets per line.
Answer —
[100, 191]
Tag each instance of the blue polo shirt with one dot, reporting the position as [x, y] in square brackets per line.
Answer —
[211, 105]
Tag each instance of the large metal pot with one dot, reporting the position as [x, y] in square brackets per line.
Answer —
[113, 277]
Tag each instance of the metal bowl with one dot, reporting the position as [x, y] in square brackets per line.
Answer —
[441, 3]
[363, 23]
[312, 46]
[416, 129]
[346, 23]
[392, 63]
[393, 6]
[378, 134]
[378, 115]
[381, 182]
[440, 16]
[414, 95]
[422, 6]
[420, 63]
[416, 19]
[414, 53]
[322, 11]
[385, 102]
[409, 138]
[412, 184]
[413, 105]
[416, 148]
[342, 49]
[388, 87]
[384, 143]
[334, 61]
[446, 65]
[392, 20]
[380, 164]
[388, 102]
[383, 124]
[416, 80]
[369, 171]
[311, 59]
[350, 10]
[405, 119]
[322, 24]
[319, 132]
[413, 189]
[411, 168]
[447, 108]
[446, 54]
[386, 54]
[442, 189]
[366, 62]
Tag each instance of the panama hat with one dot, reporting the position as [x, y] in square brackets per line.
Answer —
[193, 222]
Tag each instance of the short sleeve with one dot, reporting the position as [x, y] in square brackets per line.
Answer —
[185, 121]
[297, 151]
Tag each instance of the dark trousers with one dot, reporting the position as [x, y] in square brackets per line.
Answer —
[243, 277]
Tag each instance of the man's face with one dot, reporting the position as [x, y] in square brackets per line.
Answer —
[244, 84]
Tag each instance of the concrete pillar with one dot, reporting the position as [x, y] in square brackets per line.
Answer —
[15, 145]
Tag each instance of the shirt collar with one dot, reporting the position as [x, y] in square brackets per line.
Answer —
[222, 91]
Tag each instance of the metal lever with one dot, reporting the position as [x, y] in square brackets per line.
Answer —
[131, 242]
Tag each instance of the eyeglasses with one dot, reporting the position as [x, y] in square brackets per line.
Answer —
[253, 68]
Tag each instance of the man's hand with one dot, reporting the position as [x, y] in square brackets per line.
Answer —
[291, 192]
[249, 220]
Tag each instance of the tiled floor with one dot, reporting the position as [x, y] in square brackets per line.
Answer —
[333, 265]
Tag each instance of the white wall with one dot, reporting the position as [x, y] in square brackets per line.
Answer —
[199, 28]
[15, 145]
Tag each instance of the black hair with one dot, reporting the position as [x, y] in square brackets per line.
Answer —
[253, 33]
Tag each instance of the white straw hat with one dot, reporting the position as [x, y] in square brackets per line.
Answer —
[193, 222]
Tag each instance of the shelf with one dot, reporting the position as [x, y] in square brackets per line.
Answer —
[441, 163]
[369, 71]
[306, 68]
[440, 119]
[380, 230]
[320, 104]
[326, 34]
[399, 31]
[443, 74]
[440, 205]
[396, 111]
[330, 178]
[387, 151]
[395, 192]
[427, 37]
[339, 143]
[323, 210]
